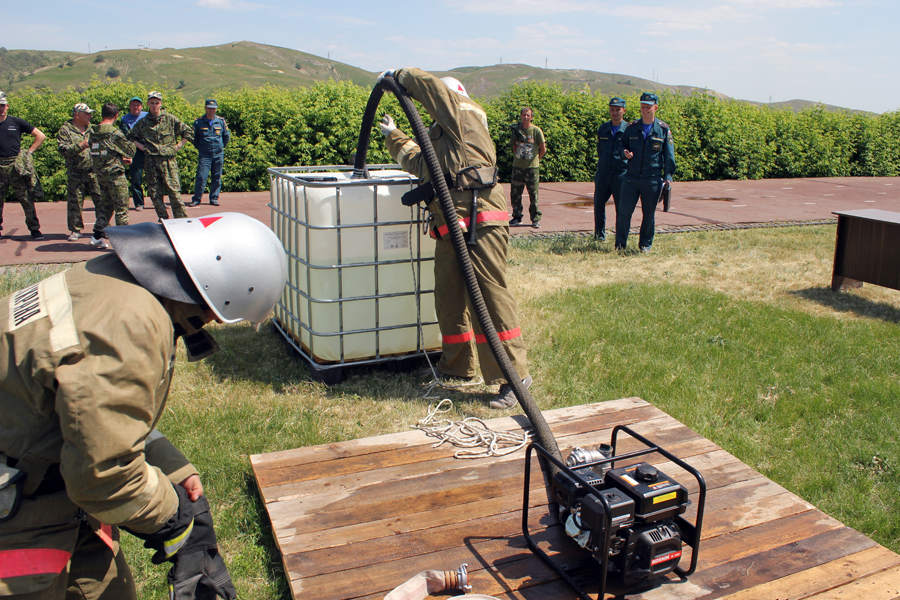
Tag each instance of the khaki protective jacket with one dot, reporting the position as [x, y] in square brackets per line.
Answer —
[461, 139]
[160, 134]
[67, 140]
[86, 358]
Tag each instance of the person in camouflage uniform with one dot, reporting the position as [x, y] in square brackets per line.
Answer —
[528, 149]
[73, 140]
[110, 152]
[17, 166]
[155, 135]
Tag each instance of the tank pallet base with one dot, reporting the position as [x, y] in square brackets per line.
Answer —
[333, 373]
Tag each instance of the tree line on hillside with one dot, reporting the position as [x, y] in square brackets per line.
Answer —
[319, 125]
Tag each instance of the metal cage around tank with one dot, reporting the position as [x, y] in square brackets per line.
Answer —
[360, 286]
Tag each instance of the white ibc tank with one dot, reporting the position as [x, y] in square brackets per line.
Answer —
[360, 269]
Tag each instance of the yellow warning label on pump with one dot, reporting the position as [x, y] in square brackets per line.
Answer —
[665, 497]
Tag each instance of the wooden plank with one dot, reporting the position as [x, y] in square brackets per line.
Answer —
[393, 441]
[388, 501]
[758, 568]
[877, 586]
[822, 577]
[362, 548]
[408, 462]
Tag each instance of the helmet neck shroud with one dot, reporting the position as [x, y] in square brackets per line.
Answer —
[148, 255]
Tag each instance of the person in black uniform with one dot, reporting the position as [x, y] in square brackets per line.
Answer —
[611, 165]
[650, 152]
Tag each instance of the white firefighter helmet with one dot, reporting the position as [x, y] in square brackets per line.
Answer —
[456, 85]
[229, 262]
[236, 262]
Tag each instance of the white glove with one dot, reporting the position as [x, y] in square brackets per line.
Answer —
[388, 73]
[387, 125]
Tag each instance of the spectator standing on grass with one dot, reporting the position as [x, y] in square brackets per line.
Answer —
[17, 166]
[135, 171]
[211, 135]
[73, 142]
[156, 135]
[650, 151]
[528, 149]
[611, 165]
[110, 152]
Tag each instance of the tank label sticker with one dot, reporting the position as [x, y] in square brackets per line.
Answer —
[665, 558]
[396, 240]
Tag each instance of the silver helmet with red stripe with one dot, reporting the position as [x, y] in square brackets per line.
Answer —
[229, 262]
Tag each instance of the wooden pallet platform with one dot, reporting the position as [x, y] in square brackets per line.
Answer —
[356, 519]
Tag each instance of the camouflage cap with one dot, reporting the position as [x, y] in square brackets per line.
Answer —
[82, 107]
[3, 99]
[648, 98]
[616, 101]
[156, 95]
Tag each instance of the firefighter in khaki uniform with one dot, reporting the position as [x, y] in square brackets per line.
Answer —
[463, 144]
[86, 360]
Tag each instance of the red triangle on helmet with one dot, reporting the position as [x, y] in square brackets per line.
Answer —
[207, 221]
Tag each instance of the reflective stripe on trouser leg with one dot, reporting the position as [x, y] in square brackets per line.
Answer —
[457, 336]
[489, 264]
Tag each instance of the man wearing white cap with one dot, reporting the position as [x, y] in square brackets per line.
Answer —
[73, 141]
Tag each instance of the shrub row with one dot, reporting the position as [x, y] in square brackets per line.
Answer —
[714, 138]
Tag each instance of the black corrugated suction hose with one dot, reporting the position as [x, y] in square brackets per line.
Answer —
[542, 430]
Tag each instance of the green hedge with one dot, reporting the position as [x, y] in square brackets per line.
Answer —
[319, 125]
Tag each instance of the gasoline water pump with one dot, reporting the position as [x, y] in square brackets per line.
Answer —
[629, 518]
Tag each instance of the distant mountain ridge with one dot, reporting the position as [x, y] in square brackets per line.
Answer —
[198, 72]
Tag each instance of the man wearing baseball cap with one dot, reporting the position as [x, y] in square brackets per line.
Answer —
[73, 142]
[611, 165]
[135, 171]
[155, 134]
[17, 166]
[650, 152]
[211, 135]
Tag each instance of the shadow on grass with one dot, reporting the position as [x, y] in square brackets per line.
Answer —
[849, 302]
[266, 540]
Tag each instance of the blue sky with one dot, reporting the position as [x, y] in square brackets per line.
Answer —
[833, 51]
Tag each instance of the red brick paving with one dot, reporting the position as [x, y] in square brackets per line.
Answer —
[565, 207]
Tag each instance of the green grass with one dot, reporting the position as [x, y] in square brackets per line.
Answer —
[735, 334]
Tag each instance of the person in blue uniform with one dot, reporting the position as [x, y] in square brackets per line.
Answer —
[211, 135]
[650, 151]
[611, 165]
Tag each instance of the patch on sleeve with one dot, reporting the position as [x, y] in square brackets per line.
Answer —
[46, 299]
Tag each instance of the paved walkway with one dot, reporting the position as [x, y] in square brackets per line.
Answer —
[565, 206]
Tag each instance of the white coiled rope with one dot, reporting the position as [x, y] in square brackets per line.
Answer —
[472, 434]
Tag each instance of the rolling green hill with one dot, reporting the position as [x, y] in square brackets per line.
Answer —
[198, 72]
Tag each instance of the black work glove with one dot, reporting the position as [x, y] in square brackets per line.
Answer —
[198, 571]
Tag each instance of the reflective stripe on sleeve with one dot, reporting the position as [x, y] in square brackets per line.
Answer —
[461, 338]
[32, 561]
[174, 545]
[503, 335]
[495, 215]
